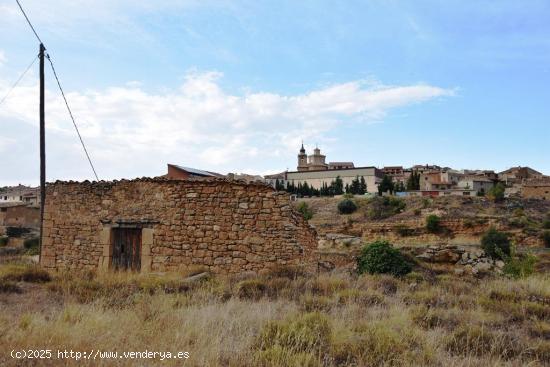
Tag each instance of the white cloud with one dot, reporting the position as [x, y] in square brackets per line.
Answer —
[200, 124]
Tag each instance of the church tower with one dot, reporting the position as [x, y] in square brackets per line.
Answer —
[317, 161]
[302, 159]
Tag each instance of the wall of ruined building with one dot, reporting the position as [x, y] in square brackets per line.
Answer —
[536, 192]
[226, 226]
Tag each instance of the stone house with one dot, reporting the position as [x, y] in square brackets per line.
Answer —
[19, 215]
[478, 183]
[162, 224]
[537, 189]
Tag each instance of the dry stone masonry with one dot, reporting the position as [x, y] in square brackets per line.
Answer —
[225, 226]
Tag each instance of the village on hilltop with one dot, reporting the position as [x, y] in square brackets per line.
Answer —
[19, 205]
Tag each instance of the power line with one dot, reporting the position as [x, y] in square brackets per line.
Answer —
[28, 21]
[19, 79]
[61, 89]
[72, 118]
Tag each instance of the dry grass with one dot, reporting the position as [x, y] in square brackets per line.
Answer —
[285, 318]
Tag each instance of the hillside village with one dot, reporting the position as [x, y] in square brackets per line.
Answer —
[314, 177]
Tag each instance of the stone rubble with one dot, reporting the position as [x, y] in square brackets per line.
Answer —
[468, 260]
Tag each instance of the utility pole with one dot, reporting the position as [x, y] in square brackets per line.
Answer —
[42, 147]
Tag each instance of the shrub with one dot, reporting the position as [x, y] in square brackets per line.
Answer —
[433, 223]
[3, 241]
[305, 210]
[546, 238]
[403, 230]
[7, 286]
[384, 207]
[346, 206]
[496, 244]
[307, 333]
[546, 224]
[520, 266]
[381, 257]
[417, 212]
[496, 193]
[252, 289]
[24, 273]
[31, 245]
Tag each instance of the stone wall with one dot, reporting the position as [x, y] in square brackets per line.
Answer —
[226, 226]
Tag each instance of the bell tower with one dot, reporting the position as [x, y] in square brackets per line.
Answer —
[302, 159]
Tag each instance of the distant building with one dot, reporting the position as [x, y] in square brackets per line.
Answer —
[538, 188]
[445, 192]
[316, 179]
[278, 177]
[439, 180]
[480, 184]
[315, 171]
[20, 194]
[245, 177]
[340, 165]
[19, 215]
[183, 173]
[518, 174]
[397, 173]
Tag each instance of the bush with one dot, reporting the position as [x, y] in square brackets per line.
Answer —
[252, 289]
[384, 207]
[24, 273]
[496, 244]
[520, 266]
[403, 230]
[305, 210]
[381, 257]
[546, 224]
[346, 206]
[32, 246]
[433, 223]
[546, 238]
[496, 193]
[3, 241]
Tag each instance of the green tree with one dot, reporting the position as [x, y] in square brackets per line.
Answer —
[496, 244]
[413, 182]
[496, 193]
[337, 186]
[363, 186]
[433, 223]
[305, 210]
[386, 185]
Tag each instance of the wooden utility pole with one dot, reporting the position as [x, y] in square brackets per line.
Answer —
[42, 147]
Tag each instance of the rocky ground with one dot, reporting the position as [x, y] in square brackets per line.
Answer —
[402, 222]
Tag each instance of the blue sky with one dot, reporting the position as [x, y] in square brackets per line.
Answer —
[235, 86]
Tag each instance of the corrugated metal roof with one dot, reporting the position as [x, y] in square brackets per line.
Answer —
[195, 171]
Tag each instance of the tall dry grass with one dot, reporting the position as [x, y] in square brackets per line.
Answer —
[286, 318]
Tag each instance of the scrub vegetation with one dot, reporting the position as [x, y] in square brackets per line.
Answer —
[285, 318]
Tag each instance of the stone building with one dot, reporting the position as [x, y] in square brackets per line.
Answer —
[518, 174]
[19, 215]
[162, 224]
[537, 189]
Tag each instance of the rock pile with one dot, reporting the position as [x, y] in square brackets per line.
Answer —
[468, 260]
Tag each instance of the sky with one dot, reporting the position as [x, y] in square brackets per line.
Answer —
[236, 86]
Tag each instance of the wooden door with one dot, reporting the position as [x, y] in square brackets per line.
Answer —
[126, 249]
